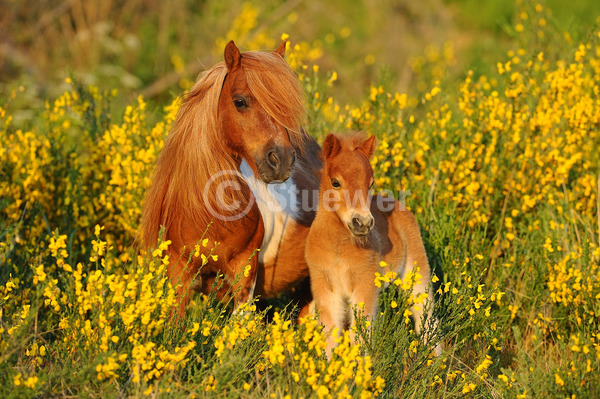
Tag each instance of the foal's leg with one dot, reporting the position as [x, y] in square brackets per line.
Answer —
[418, 309]
[331, 307]
[365, 298]
[333, 311]
[406, 231]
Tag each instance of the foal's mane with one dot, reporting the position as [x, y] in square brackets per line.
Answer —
[194, 150]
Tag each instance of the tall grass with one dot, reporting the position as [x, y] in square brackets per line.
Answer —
[500, 168]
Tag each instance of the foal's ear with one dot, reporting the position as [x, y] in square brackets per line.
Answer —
[281, 49]
[331, 146]
[233, 57]
[367, 147]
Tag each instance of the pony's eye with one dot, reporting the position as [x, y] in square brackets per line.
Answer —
[335, 183]
[371, 185]
[240, 102]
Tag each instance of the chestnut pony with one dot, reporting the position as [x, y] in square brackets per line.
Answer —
[353, 232]
[238, 129]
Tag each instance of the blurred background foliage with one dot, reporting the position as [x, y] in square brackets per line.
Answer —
[157, 48]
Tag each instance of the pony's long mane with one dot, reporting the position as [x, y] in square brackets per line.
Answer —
[194, 152]
[278, 91]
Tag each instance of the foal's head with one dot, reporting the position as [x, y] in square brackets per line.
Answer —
[260, 111]
[346, 179]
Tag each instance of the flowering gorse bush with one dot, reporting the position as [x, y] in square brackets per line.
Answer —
[500, 168]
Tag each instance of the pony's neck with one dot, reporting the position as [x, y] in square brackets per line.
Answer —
[237, 161]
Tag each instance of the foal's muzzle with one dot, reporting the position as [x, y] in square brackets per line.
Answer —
[277, 164]
[361, 225]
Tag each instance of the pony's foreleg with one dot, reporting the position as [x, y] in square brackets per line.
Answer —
[245, 284]
[242, 275]
[242, 269]
[302, 296]
[307, 310]
[182, 274]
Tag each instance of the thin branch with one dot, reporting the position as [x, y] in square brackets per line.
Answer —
[165, 81]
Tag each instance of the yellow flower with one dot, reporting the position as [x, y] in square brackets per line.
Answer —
[558, 380]
[40, 275]
[469, 388]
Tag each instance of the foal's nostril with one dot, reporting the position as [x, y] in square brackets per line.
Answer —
[361, 224]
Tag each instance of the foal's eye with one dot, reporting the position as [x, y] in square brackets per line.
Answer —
[240, 102]
[335, 183]
[371, 185]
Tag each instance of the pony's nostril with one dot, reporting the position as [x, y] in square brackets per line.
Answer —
[273, 159]
[356, 223]
[371, 223]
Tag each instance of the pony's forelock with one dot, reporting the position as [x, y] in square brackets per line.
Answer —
[278, 90]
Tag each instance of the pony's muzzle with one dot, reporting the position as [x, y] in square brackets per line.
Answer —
[278, 164]
[361, 225]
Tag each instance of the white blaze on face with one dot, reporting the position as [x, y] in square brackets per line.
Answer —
[278, 207]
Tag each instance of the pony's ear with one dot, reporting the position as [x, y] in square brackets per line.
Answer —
[233, 57]
[331, 146]
[367, 147]
[281, 49]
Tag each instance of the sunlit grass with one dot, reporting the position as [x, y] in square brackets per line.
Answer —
[500, 168]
